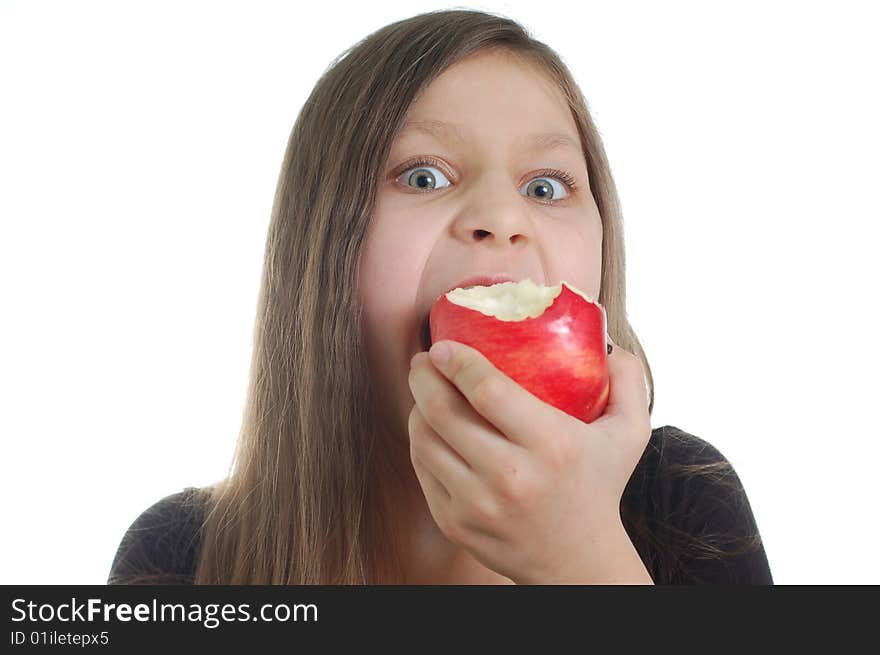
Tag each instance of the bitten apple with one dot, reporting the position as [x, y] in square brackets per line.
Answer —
[549, 339]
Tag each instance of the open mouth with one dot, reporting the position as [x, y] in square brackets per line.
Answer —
[426, 333]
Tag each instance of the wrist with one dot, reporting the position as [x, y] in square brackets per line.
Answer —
[611, 559]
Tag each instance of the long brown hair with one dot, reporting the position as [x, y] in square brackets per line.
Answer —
[302, 502]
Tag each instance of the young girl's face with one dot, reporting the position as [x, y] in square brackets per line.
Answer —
[486, 203]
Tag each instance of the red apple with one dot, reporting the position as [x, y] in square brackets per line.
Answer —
[549, 339]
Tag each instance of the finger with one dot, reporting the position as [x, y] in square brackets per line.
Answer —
[437, 496]
[513, 410]
[443, 462]
[465, 431]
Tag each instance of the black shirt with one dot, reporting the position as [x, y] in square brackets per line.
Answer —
[695, 524]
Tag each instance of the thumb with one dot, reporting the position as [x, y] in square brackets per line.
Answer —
[628, 393]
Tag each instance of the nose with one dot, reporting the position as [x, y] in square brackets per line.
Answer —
[494, 212]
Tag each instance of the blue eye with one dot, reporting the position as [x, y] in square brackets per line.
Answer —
[540, 185]
[419, 176]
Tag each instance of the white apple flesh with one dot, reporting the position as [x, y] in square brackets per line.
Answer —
[548, 339]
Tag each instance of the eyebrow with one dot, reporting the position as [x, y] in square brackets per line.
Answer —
[441, 130]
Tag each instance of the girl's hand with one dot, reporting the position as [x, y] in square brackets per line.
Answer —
[530, 491]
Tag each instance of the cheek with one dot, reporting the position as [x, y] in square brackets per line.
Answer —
[389, 275]
[390, 271]
[576, 256]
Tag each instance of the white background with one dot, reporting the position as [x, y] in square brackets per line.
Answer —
[140, 145]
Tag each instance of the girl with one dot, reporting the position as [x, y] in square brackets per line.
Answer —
[440, 147]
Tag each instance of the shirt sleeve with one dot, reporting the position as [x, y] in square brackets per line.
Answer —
[161, 546]
[727, 547]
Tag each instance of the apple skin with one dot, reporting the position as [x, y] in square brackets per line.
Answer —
[559, 356]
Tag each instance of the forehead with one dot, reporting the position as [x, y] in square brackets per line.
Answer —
[461, 133]
[496, 98]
